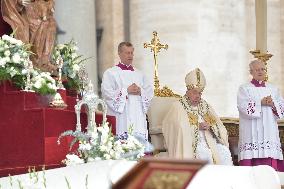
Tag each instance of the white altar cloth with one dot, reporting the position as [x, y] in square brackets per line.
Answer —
[101, 173]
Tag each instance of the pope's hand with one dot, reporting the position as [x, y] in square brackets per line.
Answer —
[203, 126]
[134, 89]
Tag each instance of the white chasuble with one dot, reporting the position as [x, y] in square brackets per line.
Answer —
[258, 130]
[129, 110]
[184, 139]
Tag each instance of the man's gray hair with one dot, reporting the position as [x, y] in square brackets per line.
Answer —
[252, 63]
[124, 43]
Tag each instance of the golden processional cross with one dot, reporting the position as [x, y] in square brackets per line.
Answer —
[156, 46]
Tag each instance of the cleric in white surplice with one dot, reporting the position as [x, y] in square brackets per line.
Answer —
[127, 93]
[260, 105]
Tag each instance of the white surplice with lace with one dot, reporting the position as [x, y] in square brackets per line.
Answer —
[128, 109]
[259, 134]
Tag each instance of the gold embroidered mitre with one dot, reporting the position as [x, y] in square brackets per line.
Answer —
[195, 79]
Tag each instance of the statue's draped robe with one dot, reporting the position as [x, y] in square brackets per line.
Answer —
[128, 109]
[11, 12]
[259, 135]
[33, 24]
[184, 139]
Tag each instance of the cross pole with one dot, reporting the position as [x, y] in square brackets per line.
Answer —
[155, 47]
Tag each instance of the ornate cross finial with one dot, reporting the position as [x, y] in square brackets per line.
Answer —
[155, 47]
[155, 44]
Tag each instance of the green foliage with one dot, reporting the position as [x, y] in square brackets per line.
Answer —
[4, 75]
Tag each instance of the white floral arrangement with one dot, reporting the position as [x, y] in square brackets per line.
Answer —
[15, 65]
[14, 57]
[72, 63]
[102, 145]
[43, 83]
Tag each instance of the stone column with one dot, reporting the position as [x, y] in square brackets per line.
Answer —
[110, 20]
[78, 20]
[275, 43]
[261, 25]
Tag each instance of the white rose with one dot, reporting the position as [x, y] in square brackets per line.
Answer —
[118, 149]
[44, 74]
[26, 63]
[36, 77]
[54, 87]
[100, 129]
[42, 80]
[50, 86]
[16, 58]
[109, 144]
[60, 46]
[84, 147]
[6, 37]
[112, 153]
[7, 59]
[25, 54]
[24, 72]
[34, 72]
[12, 40]
[37, 84]
[7, 53]
[18, 42]
[2, 62]
[73, 159]
[106, 156]
[103, 148]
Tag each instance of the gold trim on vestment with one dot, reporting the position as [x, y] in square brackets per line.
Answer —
[192, 118]
[203, 111]
[198, 76]
[209, 119]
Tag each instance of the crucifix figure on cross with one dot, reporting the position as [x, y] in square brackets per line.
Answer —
[155, 47]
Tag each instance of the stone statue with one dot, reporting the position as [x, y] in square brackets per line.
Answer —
[32, 22]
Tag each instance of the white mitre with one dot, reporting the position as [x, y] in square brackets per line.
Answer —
[195, 79]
